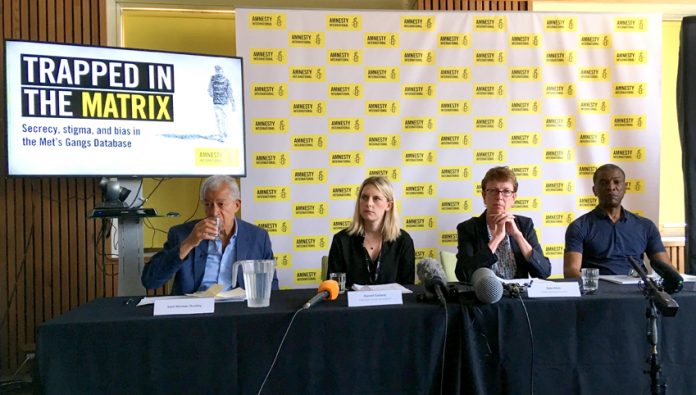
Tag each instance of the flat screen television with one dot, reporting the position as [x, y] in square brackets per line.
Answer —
[76, 110]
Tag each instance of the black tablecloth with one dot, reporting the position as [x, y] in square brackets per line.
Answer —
[596, 344]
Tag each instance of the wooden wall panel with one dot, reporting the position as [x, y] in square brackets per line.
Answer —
[475, 5]
[51, 259]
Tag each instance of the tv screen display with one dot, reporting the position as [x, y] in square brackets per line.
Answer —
[90, 111]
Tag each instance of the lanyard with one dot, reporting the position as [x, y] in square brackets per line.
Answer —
[368, 263]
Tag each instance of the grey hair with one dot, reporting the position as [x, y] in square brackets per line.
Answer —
[215, 182]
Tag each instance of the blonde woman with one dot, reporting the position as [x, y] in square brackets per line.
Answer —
[374, 249]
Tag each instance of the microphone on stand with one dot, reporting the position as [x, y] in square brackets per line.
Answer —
[433, 277]
[328, 290]
[667, 306]
[672, 281]
[487, 287]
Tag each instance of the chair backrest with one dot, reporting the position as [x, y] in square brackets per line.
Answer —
[324, 267]
[449, 263]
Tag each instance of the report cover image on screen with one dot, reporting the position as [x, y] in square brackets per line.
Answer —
[76, 110]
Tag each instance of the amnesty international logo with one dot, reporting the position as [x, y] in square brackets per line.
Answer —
[382, 107]
[448, 238]
[459, 74]
[307, 107]
[490, 156]
[454, 173]
[482, 91]
[346, 125]
[628, 24]
[628, 154]
[283, 260]
[392, 173]
[489, 23]
[383, 141]
[268, 56]
[309, 276]
[631, 57]
[279, 227]
[418, 23]
[271, 159]
[271, 194]
[553, 250]
[416, 57]
[269, 91]
[628, 122]
[344, 192]
[525, 106]
[489, 57]
[310, 243]
[338, 224]
[585, 170]
[346, 158]
[630, 90]
[526, 203]
[308, 176]
[269, 125]
[592, 138]
[411, 91]
[494, 124]
[524, 74]
[559, 123]
[309, 209]
[419, 157]
[345, 91]
[555, 187]
[586, 202]
[422, 253]
[593, 106]
[561, 57]
[595, 74]
[418, 124]
[560, 24]
[304, 142]
[558, 218]
[382, 74]
[381, 40]
[419, 190]
[594, 41]
[456, 107]
[452, 40]
[524, 139]
[559, 90]
[454, 205]
[344, 56]
[264, 20]
[635, 185]
[454, 140]
[343, 22]
[526, 171]
[420, 222]
[524, 41]
[559, 155]
[306, 39]
[307, 73]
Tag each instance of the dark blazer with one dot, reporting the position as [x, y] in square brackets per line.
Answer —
[252, 243]
[473, 251]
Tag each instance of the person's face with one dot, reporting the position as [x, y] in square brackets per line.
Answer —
[373, 204]
[609, 188]
[219, 203]
[495, 199]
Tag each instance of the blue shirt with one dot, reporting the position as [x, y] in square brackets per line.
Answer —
[218, 266]
[605, 245]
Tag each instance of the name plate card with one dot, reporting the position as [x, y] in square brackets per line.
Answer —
[180, 306]
[374, 298]
[547, 289]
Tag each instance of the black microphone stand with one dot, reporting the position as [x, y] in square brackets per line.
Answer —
[668, 307]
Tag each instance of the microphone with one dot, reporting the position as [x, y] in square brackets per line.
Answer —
[328, 290]
[433, 277]
[663, 302]
[487, 287]
[672, 281]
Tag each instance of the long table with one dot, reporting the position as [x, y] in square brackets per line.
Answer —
[589, 345]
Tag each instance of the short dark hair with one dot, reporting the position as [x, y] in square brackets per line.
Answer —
[608, 166]
[500, 174]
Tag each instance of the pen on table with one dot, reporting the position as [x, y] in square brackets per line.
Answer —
[129, 301]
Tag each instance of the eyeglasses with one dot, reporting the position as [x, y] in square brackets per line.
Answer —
[494, 192]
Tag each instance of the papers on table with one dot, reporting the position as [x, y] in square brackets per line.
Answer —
[624, 279]
[382, 287]
[233, 295]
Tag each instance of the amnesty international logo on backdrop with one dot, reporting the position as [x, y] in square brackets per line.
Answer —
[454, 205]
[382, 107]
[562, 57]
[420, 222]
[560, 24]
[381, 40]
[419, 190]
[553, 250]
[309, 209]
[307, 107]
[585, 202]
[558, 218]
[268, 56]
[383, 141]
[346, 158]
[271, 159]
[303, 142]
[454, 74]
[416, 91]
[524, 139]
[309, 176]
[489, 57]
[585, 170]
[635, 185]
[283, 260]
[344, 56]
[344, 191]
[524, 74]
[344, 22]
[419, 157]
[345, 91]
[306, 39]
[525, 106]
[422, 253]
[263, 20]
[629, 90]
[308, 243]
[272, 194]
[482, 156]
[526, 203]
[392, 173]
[628, 122]
[346, 125]
[489, 23]
[554, 187]
[559, 90]
[338, 224]
[559, 123]
[524, 41]
[494, 124]
[454, 173]
[451, 40]
[559, 155]
[630, 57]
[454, 107]
[596, 74]
[629, 24]
[483, 91]
[269, 125]
[418, 23]
[418, 124]
[592, 139]
[628, 154]
[593, 106]
[448, 238]
[269, 91]
[526, 172]
[382, 74]
[311, 276]
[454, 140]
[417, 57]
[594, 41]
[275, 227]
[307, 73]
